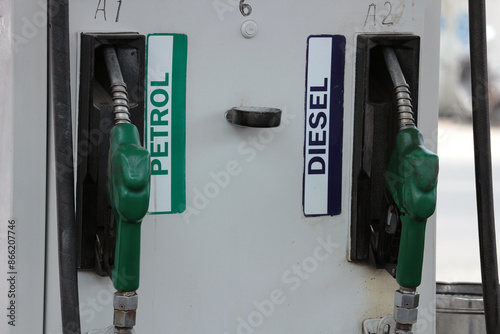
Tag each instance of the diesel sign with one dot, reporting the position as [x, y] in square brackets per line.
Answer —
[324, 107]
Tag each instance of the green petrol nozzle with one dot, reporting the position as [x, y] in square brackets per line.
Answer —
[129, 178]
[128, 185]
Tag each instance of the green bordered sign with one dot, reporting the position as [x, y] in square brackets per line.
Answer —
[165, 132]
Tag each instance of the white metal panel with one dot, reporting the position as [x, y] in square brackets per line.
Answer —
[6, 141]
[230, 264]
[23, 68]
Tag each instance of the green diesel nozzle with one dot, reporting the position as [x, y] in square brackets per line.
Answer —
[411, 178]
[128, 188]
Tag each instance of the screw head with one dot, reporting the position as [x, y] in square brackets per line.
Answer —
[249, 29]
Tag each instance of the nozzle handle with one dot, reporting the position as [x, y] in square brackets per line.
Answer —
[128, 188]
[411, 178]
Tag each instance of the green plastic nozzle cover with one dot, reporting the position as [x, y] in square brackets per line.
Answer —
[411, 178]
[128, 189]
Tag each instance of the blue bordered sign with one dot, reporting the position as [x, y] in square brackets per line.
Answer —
[324, 118]
[165, 123]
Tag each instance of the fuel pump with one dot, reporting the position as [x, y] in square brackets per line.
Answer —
[248, 226]
[128, 186]
[411, 179]
[395, 176]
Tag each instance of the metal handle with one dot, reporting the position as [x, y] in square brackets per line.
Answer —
[254, 117]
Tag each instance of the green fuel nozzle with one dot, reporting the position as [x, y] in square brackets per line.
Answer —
[129, 182]
[129, 177]
[411, 178]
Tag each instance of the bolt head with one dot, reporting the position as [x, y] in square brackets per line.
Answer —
[405, 316]
[124, 318]
[406, 300]
[125, 302]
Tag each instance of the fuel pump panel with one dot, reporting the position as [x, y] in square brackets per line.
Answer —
[261, 119]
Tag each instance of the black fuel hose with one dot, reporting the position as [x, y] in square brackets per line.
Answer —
[482, 157]
[60, 94]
